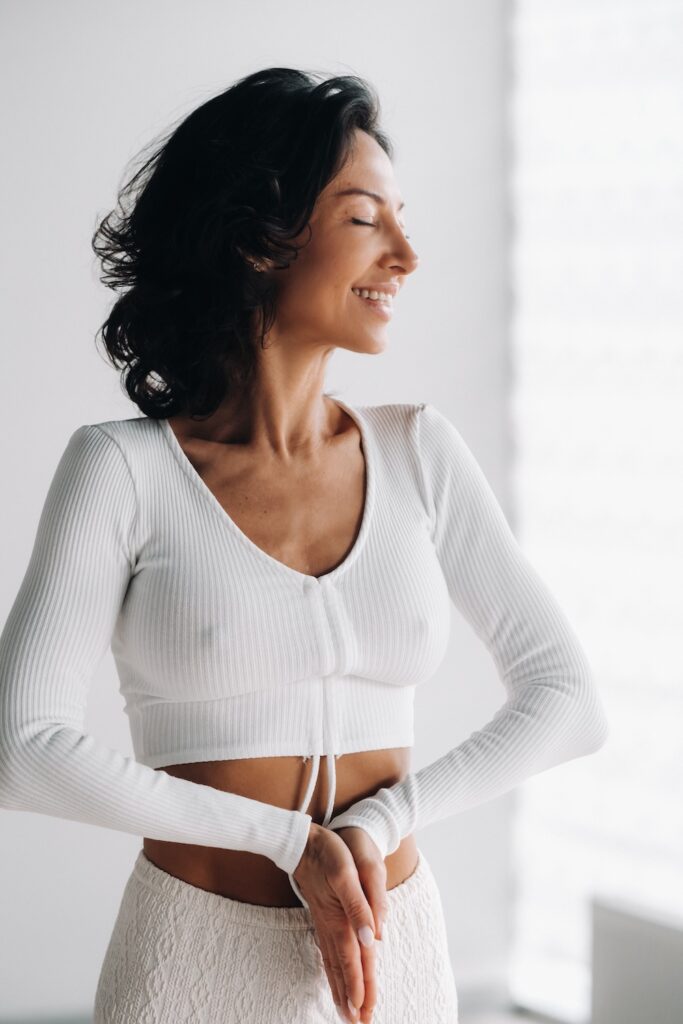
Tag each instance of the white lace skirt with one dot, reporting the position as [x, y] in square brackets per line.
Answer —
[181, 953]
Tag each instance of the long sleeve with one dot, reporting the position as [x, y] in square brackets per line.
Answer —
[58, 629]
[553, 712]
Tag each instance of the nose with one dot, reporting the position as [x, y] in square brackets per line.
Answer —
[409, 259]
[408, 264]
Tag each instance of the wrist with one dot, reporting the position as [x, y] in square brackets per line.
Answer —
[312, 842]
[314, 836]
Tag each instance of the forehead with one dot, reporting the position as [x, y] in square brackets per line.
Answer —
[367, 173]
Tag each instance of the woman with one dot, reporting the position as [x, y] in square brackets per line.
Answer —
[274, 571]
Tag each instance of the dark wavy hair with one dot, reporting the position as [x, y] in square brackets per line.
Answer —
[235, 181]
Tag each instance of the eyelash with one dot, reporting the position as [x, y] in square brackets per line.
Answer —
[369, 224]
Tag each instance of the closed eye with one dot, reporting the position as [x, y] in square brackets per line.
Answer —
[368, 223]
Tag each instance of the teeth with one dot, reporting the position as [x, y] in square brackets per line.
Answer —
[365, 294]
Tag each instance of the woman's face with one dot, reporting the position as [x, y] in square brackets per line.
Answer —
[355, 241]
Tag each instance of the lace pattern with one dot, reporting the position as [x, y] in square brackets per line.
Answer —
[178, 953]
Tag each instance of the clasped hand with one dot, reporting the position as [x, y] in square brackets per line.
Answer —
[343, 878]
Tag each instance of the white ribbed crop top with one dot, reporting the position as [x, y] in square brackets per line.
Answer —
[224, 652]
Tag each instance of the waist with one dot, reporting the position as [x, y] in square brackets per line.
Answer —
[282, 781]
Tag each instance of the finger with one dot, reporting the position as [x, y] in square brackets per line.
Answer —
[373, 878]
[361, 929]
[365, 904]
[369, 964]
[350, 961]
[339, 986]
[334, 980]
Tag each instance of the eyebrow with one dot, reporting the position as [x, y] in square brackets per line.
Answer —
[364, 192]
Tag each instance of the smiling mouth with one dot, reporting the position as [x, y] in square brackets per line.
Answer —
[378, 306]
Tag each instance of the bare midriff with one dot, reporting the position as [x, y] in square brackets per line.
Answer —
[251, 877]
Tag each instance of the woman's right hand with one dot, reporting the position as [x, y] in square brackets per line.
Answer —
[328, 878]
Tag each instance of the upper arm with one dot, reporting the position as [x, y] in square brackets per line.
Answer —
[490, 579]
[64, 613]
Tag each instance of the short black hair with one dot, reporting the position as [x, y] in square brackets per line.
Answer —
[234, 182]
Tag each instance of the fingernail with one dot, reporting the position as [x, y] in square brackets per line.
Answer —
[365, 935]
[352, 1008]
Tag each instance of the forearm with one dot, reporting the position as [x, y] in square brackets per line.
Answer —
[60, 771]
[541, 727]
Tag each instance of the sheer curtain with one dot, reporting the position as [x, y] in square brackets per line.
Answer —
[596, 192]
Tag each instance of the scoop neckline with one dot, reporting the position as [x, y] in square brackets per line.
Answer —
[366, 445]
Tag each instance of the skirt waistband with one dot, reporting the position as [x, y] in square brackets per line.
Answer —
[146, 873]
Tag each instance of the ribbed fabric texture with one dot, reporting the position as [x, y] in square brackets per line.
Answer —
[553, 712]
[223, 651]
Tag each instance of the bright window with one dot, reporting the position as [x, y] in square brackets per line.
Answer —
[596, 136]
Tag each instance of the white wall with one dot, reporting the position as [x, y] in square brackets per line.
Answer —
[85, 85]
[596, 271]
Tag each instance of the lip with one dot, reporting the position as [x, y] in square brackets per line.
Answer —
[380, 309]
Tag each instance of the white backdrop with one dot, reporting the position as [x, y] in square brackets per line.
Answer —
[85, 85]
[597, 266]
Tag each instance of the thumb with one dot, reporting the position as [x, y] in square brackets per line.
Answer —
[358, 910]
[373, 877]
[380, 909]
[373, 881]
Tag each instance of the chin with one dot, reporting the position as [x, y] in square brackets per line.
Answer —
[370, 346]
